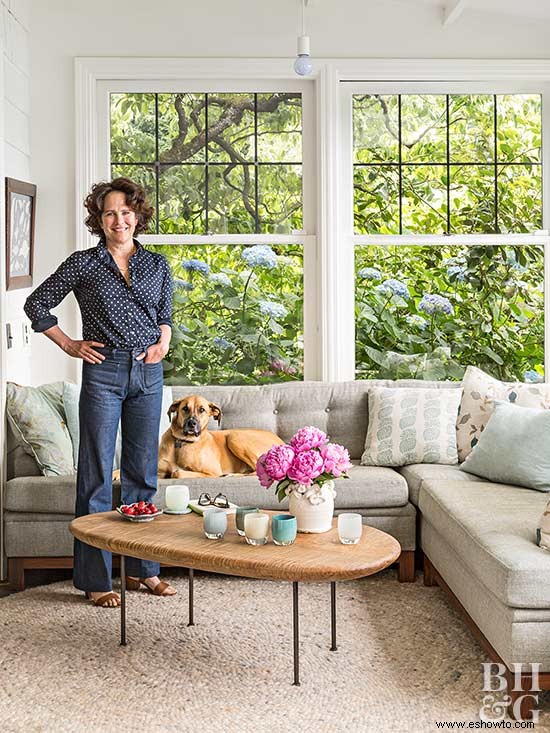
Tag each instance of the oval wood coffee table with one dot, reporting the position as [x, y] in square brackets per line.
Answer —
[180, 541]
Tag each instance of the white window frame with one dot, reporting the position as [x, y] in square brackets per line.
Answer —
[350, 240]
[328, 240]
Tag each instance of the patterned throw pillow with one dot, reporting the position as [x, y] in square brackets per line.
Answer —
[411, 425]
[479, 391]
[37, 419]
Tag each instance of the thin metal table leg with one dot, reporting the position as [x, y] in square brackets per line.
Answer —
[296, 633]
[333, 647]
[191, 574]
[122, 601]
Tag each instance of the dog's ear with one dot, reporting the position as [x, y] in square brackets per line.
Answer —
[216, 412]
[173, 408]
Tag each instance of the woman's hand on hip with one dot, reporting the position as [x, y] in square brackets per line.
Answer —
[155, 353]
[83, 350]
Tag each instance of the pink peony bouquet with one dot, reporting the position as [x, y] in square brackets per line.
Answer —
[309, 461]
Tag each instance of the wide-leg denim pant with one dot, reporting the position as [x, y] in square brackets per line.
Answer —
[120, 388]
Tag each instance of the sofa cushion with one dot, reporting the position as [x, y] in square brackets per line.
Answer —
[367, 487]
[417, 473]
[411, 425]
[514, 448]
[37, 421]
[479, 391]
[492, 527]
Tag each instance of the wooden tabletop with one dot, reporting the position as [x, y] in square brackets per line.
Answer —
[179, 540]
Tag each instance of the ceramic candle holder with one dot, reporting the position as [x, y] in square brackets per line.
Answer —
[350, 528]
[177, 497]
[283, 529]
[240, 514]
[215, 523]
[256, 527]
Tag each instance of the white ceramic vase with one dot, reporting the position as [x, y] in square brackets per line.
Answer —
[312, 506]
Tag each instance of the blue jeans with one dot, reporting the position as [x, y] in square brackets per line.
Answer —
[120, 388]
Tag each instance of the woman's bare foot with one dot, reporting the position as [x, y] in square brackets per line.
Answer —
[152, 583]
[105, 599]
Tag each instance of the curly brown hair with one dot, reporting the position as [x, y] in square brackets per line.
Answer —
[135, 199]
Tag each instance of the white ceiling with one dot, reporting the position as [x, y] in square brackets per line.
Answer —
[528, 9]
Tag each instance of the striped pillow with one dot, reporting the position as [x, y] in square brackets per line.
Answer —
[411, 425]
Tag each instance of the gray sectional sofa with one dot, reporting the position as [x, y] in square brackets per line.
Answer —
[478, 538]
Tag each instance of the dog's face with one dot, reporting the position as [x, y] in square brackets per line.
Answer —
[192, 414]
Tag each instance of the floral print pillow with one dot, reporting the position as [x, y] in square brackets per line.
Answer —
[479, 391]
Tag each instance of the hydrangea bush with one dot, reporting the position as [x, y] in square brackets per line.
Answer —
[428, 312]
[309, 461]
[238, 314]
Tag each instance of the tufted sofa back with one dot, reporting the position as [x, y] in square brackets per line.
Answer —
[340, 409]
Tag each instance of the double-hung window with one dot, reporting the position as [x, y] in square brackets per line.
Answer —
[229, 169]
[444, 196]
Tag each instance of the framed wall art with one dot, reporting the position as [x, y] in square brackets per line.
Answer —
[20, 214]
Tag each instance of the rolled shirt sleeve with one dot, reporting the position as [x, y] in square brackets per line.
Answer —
[50, 293]
[165, 303]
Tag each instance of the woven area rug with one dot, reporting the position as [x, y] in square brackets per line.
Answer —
[405, 660]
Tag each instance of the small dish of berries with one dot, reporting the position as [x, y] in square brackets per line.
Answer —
[139, 511]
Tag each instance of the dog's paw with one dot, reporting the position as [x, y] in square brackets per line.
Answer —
[116, 475]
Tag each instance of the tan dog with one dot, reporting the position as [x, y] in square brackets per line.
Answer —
[187, 449]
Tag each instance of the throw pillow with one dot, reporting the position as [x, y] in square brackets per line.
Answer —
[411, 425]
[37, 419]
[479, 391]
[514, 448]
[71, 395]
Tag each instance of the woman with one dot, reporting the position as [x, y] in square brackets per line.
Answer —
[125, 298]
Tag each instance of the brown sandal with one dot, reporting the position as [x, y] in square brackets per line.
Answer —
[158, 590]
[103, 601]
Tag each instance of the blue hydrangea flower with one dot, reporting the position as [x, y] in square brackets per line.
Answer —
[222, 343]
[431, 304]
[274, 310]
[533, 377]
[370, 273]
[196, 266]
[458, 271]
[260, 255]
[220, 278]
[394, 287]
[417, 322]
[183, 285]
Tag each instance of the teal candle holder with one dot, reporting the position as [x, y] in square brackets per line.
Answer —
[283, 529]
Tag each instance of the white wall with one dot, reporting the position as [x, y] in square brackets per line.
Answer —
[62, 29]
[15, 99]
[15, 106]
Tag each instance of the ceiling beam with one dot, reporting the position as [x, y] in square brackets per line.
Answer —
[452, 11]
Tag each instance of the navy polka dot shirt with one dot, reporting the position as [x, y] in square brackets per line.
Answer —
[114, 313]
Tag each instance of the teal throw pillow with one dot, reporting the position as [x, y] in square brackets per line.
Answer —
[38, 423]
[514, 448]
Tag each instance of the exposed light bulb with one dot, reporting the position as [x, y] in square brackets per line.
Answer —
[303, 65]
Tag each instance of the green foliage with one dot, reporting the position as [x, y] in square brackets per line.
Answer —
[219, 163]
[492, 183]
[223, 332]
[496, 323]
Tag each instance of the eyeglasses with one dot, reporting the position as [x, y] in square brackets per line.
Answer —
[220, 500]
